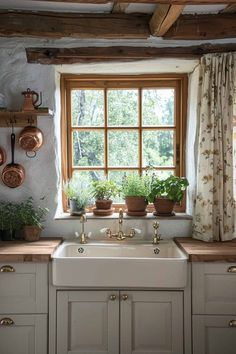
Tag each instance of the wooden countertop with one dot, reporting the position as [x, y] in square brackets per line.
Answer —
[22, 251]
[199, 251]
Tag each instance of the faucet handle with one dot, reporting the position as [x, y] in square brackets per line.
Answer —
[156, 225]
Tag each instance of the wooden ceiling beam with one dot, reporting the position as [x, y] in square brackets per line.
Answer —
[200, 27]
[58, 25]
[172, 2]
[120, 7]
[107, 54]
[163, 18]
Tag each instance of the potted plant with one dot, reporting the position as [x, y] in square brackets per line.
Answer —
[78, 194]
[135, 190]
[102, 191]
[10, 221]
[164, 193]
[32, 218]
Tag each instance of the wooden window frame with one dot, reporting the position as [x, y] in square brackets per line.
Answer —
[177, 81]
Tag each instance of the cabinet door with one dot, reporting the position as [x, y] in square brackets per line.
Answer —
[151, 322]
[214, 288]
[26, 334]
[214, 335]
[88, 322]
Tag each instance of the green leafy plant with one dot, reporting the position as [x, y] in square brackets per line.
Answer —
[77, 189]
[31, 214]
[171, 188]
[10, 216]
[104, 190]
[135, 186]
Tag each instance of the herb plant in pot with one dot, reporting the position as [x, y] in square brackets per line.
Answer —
[32, 218]
[78, 194]
[102, 191]
[164, 193]
[10, 221]
[135, 190]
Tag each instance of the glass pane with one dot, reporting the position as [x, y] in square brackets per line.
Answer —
[158, 148]
[89, 176]
[123, 148]
[122, 107]
[88, 148]
[162, 174]
[87, 108]
[158, 107]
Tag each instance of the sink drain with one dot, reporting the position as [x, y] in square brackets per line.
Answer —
[81, 250]
[156, 250]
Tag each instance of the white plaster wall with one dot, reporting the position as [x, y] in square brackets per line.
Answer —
[42, 172]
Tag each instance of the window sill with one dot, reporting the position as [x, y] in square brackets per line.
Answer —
[149, 216]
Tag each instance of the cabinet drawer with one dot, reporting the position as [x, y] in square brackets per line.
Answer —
[23, 334]
[214, 288]
[214, 335]
[23, 288]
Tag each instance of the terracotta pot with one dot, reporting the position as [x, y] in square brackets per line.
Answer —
[164, 207]
[103, 207]
[103, 204]
[31, 233]
[136, 206]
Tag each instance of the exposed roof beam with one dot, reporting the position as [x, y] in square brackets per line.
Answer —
[173, 2]
[163, 18]
[191, 27]
[98, 54]
[230, 8]
[119, 7]
[58, 25]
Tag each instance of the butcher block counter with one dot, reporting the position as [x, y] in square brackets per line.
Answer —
[199, 251]
[22, 251]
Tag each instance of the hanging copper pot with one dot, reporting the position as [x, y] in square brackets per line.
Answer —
[31, 139]
[3, 156]
[13, 174]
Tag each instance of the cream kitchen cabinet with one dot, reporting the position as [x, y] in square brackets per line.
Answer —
[119, 322]
[214, 308]
[23, 308]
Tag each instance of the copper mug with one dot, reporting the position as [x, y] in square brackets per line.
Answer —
[31, 100]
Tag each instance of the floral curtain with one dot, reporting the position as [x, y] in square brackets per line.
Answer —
[214, 216]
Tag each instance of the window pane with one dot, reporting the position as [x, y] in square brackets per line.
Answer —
[158, 107]
[162, 174]
[123, 148]
[122, 107]
[87, 107]
[89, 176]
[117, 177]
[88, 148]
[158, 148]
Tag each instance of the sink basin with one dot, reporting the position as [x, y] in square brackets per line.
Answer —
[119, 265]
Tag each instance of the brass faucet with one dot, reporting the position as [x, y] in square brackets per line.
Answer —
[156, 236]
[82, 236]
[120, 235]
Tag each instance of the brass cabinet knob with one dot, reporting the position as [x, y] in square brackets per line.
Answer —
[232, 323]
[231, 269]
[6, 322]
[7, 269]
[124, 297]
[112, 297]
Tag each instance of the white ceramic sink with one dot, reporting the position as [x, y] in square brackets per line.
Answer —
[120, 264]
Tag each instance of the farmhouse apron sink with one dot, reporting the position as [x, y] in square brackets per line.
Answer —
[116, 264]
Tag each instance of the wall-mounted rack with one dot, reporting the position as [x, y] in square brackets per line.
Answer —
[23, 118]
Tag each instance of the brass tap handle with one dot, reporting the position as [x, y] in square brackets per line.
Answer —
[121, 215]
[132, 233]
[232, 323]
[83, 219]
[6, 322]
[7, 269]
[156, 225]
[124, 297]
[231, 269]
[109, 233]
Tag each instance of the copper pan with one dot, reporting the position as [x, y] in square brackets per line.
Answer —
[3, 156]
[31, 138]
[13, 174]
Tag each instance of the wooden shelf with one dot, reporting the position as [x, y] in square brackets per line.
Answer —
[23, 118]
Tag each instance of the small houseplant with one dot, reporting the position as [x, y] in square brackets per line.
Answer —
[32, 218]
[78, 194]
[135, 190]
[10, 221]
[164, 193]
[102, 191]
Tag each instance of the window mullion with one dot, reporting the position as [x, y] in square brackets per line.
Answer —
[140, 130]
[105, 132]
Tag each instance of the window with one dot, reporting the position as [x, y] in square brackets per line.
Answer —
[117, 125]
